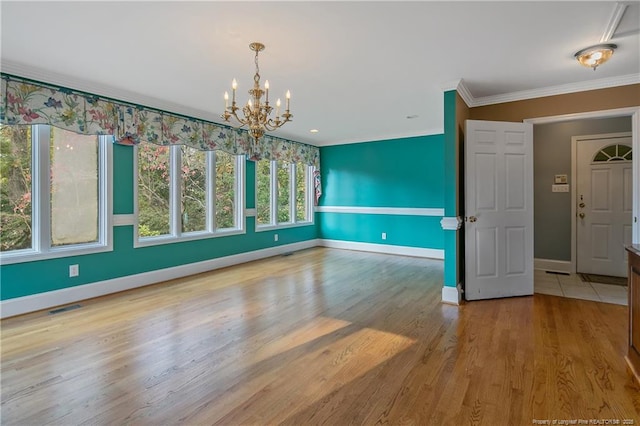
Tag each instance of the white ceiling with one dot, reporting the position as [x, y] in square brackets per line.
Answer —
[356, 70]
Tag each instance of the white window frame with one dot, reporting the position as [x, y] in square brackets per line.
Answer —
[175, 215]
[41, 248]
[273, 199]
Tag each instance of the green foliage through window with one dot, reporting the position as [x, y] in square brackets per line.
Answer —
[282, 190]
[205, 183]
[15, 187]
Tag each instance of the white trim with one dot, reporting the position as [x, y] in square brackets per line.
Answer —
[616, 16]
[551, 265]
[451, 223]
[618, 112]
[36, 302]
[384, 248]
[124, 219]
[563, 89]
[452, 295]
[602, 83]
[461, 88]
[401, 211]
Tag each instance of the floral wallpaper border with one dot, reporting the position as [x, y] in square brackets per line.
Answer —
[25, 102]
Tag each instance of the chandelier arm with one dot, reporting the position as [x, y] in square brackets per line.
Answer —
[238, 119]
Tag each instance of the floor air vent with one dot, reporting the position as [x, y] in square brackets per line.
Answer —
[65, 309]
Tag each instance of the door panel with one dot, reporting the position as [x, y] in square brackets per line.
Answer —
[516, 254]
[486, 246]
[515, 195]
[499, 209]
[485, 178]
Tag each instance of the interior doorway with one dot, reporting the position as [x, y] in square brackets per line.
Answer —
[568, 261]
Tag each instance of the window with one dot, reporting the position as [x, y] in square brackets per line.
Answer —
[613, 153]
[283, 193]
[54, 195]
[184, 193]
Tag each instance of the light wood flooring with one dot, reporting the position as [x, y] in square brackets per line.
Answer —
[323, 336]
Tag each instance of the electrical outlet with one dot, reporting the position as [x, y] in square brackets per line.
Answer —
[384, 235]
[74, 270]
[275, 237]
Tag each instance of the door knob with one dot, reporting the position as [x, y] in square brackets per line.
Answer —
[473, 219]
[581, 215]
[581, 205]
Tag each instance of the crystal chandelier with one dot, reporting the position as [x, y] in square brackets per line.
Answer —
[255, 114]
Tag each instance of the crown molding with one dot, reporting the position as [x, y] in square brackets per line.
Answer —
[582, 86]
[465, 94]
[459, 86]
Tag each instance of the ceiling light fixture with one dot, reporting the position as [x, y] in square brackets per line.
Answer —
[595, 56]
[255, 112]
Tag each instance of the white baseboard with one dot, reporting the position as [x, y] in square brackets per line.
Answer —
[563, 266]
[383, 248]
[452, 295]
[36, 302]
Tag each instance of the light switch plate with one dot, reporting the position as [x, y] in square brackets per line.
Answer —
[559, 188]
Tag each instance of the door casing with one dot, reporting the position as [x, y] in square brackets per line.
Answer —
[634, 113]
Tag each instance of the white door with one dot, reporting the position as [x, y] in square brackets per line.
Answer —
[604, 205]
[499, 209]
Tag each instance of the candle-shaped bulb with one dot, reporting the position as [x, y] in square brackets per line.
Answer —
[249, 103]
[288, 96]
[277, 108]
[266, 85]
[234, 86]
[226, 100]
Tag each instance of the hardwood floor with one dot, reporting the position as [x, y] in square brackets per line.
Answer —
[322, 336]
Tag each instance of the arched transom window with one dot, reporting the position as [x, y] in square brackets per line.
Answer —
[616, 152]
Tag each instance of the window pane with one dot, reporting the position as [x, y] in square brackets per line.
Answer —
[284, 176]
[301, 192]
[153, 190]
[225, 190]
[15, 187]
[263, 192]
[74, 188]
[194, 189]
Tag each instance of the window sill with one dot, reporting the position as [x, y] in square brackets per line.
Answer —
[263, 228]
[32, 256]
[170, 239]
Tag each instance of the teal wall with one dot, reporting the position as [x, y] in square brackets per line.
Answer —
[400, 173]
[22, 279]
[450, 186]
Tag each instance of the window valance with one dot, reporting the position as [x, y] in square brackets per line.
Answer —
[25, 102]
